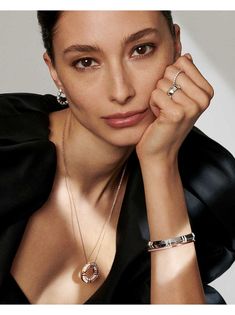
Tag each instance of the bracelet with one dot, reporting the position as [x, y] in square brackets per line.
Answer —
[171, 242]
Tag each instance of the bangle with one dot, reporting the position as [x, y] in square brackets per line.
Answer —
[171, 242]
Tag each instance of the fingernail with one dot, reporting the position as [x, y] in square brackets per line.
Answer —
[189, 56]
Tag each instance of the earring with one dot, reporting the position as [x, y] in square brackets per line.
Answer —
[61, 98]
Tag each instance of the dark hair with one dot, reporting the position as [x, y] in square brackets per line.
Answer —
[168, 16]
[48, 20]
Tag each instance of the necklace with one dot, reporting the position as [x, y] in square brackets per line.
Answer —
[90, 271]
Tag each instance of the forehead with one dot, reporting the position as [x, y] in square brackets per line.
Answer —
[95, 26]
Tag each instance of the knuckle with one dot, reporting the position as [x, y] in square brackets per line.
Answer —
[160, 84]
[155, 94]
[204, 100]
[177, 115]
[211, 91]
[181, 61]
[169, 71]
[208, 89]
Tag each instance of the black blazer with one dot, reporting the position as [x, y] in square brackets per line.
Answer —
[27, 169]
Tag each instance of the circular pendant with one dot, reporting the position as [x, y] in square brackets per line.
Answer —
[90, 272]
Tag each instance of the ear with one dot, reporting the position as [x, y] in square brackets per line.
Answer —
[52, 71]
[177, 42]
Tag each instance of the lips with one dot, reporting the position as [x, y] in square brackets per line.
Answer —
[124, 115]
[128, 119]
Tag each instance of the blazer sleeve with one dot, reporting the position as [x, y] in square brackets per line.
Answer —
[208, 171]
[27, 157]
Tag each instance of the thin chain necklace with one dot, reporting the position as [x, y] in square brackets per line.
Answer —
[90, 267]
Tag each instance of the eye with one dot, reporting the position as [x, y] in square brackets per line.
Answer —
[142, 50]
[85, 63]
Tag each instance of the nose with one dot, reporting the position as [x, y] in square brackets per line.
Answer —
[120, 87]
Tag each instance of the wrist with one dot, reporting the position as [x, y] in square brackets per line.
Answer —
[163, 166]
[163, 159]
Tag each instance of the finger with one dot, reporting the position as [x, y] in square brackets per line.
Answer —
[186, 65]
[189, 95]
[168, 109]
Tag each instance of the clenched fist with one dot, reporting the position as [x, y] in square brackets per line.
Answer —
[176, 114]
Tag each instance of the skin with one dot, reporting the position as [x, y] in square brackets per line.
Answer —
[121, 79]
[117, 82]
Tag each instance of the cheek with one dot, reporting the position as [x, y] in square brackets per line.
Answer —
[84, 104]
[79, 88]
[147, 81]
[81, 94]
[153, 72]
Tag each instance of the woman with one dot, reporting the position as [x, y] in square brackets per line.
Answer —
[87, 182]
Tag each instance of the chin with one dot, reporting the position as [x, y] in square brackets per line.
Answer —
[128, 137]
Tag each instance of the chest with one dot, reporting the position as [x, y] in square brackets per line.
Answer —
[51, 255]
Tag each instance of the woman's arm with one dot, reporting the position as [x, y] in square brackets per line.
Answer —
[175, 276]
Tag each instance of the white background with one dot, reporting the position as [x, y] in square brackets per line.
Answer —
[208, 36]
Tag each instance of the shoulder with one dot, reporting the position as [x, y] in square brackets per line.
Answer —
[27, 157]
[16, 103]
[24, 116]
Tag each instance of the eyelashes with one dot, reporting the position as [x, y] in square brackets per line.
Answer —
[139, 51]
[144, 49]
[84, 63]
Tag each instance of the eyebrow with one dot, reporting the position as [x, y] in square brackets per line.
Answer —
[127, 40]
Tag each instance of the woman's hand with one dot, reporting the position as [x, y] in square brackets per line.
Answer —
[174, 116]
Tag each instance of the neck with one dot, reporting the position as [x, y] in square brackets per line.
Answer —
[92, 164]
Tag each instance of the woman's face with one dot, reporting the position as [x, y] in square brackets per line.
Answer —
[109, 63]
